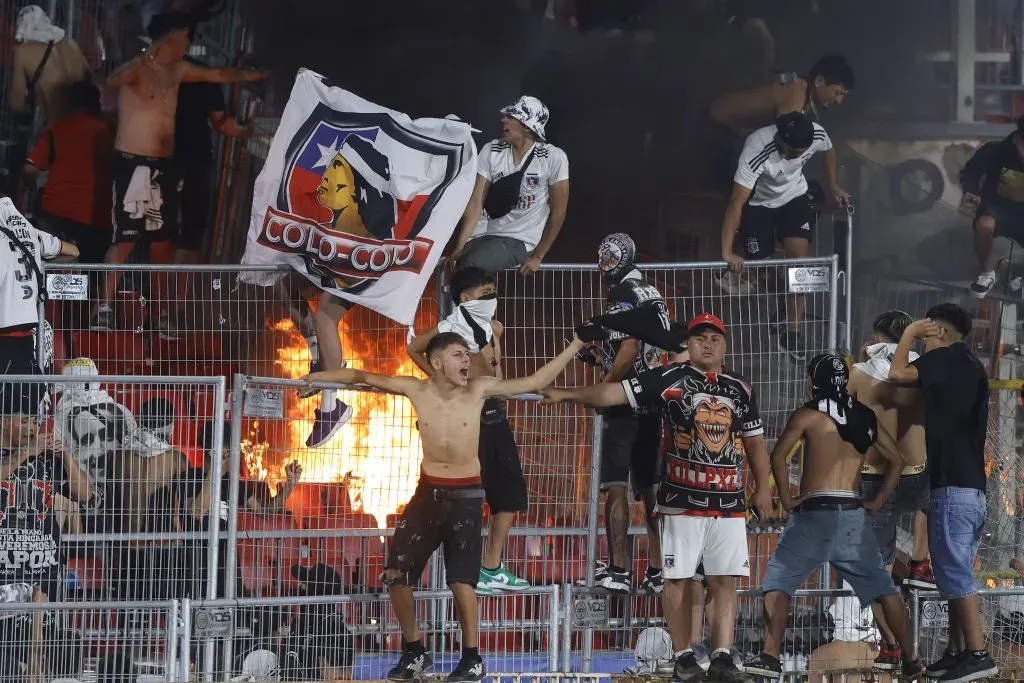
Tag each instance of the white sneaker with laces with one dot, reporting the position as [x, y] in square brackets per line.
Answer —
[983, 284]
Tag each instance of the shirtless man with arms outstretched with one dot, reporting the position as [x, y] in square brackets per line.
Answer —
[146, 179]
[827, 520]
[446, 508]
[900, 411]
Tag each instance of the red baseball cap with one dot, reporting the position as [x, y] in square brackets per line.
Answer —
[706, 320]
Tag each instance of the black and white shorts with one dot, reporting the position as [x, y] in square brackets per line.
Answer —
[762, 227]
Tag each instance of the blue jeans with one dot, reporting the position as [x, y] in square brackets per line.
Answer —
[842, 537]
[956, 518]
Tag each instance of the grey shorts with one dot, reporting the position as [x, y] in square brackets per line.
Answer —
[840, 537]
[493, 253]
[911, 496]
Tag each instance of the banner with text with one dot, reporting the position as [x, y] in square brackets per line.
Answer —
[358, 198]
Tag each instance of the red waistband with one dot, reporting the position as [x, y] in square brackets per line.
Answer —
[17, 333]
[449, 482]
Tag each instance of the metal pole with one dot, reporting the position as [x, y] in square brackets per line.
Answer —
[555, 606]
[915, 620]
[171, 645]
[70, 23]
[186, 640]
[848, 282]
[592, 522]
[235, 465]
[834, 305]
[567, 630]
[212, 543]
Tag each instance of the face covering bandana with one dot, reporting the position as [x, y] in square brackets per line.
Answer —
[471, 320]
[880, 361]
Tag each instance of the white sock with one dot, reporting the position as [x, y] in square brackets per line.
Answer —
[990, 273]
[327, 400]
[721, 649]
[680, 653]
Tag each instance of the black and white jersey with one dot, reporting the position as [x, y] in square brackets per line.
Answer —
[631, 293]
[708, 415]
[774, 179]
[19, 284]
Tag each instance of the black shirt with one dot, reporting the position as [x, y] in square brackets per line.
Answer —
[995, 172]
[193, 142]
[708, 416]
[29, 533]
[955, 389]
[633, 293]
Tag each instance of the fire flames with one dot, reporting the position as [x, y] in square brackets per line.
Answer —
[377, 453]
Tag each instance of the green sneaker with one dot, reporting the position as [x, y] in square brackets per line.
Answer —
[501, 579]
[481, 588]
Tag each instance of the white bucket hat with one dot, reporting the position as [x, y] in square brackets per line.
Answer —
[530, 112]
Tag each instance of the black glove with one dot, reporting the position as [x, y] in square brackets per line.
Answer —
[589, 333]
[588, 356]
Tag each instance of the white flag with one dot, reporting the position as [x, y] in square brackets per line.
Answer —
[359, 198]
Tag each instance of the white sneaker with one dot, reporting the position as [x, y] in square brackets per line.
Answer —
[983, 284]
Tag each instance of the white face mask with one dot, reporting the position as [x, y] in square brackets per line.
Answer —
[482, 310]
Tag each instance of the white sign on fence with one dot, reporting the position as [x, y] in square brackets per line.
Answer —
[809, 279]
[935, 613]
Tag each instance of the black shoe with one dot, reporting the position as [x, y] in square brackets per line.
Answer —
[724, 669]
[687, 668]
[793, 343]
[911, 671]
[610, 580]
[971, 668]
[653, 584]
[947, 661]
[889, 657]
[469, 670]
[410, 665]
[763, 665]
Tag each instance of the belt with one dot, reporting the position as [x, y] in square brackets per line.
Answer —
[908, 471]
[467, 493]
[833, 505]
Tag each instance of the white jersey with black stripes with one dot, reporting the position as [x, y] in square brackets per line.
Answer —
[775, 180]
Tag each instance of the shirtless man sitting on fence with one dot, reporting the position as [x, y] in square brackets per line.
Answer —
[446, 509]
[827, 521]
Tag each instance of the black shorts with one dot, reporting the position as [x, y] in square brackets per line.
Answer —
[196, 200]
[500, 469]
[92, 242]
[440, 516]
[160, 220]
[630, 450]
[1009, 217]
[18, 355]
[762, 227]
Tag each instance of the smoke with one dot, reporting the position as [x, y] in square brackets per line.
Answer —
[628, 108]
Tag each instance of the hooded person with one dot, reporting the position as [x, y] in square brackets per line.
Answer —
[520, 198]
[46, 60]
[829, 378]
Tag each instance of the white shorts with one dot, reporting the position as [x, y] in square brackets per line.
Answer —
[719, 542]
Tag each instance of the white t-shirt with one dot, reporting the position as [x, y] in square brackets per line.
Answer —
[526, 221]
[775, 179]
[19, 287]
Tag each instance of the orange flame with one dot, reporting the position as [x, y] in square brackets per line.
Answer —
[379, 447]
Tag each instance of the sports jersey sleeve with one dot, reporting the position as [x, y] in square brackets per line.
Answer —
[559, 169]
[821, 139]
[751, 163]
[483, 162]
[752, 423]
[647, 387]
[49, 246]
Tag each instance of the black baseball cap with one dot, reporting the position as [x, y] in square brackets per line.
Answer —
[795, 129]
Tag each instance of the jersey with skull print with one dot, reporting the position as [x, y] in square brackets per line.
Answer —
[708, 416]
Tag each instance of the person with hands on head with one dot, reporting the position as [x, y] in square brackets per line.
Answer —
[955, 388]
[827, 521]
[446, 509]
[714, 424]
[770, 203]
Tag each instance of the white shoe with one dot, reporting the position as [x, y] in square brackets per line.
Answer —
[983, 284]
[735, 283]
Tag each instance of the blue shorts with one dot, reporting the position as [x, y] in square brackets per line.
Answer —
[956, 519]
[841, 537]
